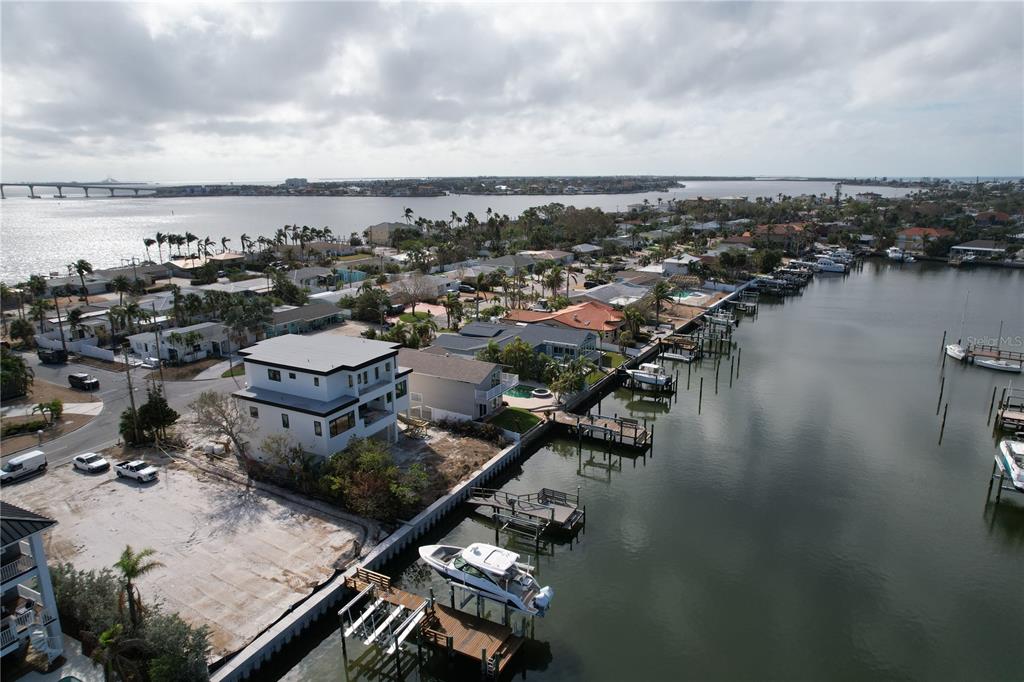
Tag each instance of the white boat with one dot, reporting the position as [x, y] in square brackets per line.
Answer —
[1010, 459]
[492, 570]
[1000, 365]
[896, 253]
[826, 264]
[907, 258]
[650, 373]
[685, 356]
[956, 351]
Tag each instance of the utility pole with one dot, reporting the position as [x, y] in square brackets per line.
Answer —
[60, 324]
[159, 358]
[131, 391]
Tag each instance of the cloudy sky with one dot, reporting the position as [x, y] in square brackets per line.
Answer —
[209, 92]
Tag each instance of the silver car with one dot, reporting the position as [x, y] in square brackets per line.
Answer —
[90, 463]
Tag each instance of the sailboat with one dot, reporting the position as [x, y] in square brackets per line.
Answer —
[997, 363]
[955, 350]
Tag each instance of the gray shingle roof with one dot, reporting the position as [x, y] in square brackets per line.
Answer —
[17, 523]
[475, 336]
[313, 311]
[446, 367]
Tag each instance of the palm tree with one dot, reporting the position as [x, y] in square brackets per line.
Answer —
[37, 311]
[633, 317]
[408, 215]
[122, 285]
[176, 299]
[133, 565]
[133, 312]
[207, 243]
[661, 293]
[74, 320]
[83, 268]
[224, 244]
[189, 238]
[148, 242]
[192, 304]
[554, 279]
[116, 653]
[161, 238]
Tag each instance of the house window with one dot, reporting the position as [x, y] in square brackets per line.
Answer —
[274, 374]
[366, 377]
[350, 381]
[254, 412]
[389, 396]
[317, 428]
[376, 373]
[316, 381]
[400, 388]
[291, 375]
[284, 420]
[387, 366]
[342, 423]
[196, 348]
[483, 410]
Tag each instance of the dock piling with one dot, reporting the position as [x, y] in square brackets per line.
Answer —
[942, 346]
[942, 430]
[942, 387]
[991, 405]
[700, 395]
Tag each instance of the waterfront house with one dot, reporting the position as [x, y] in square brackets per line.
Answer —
[616, 294]
[560, 257]
[29, 609]
[559, 343]
[981, 248]
[991, 218]
[512, 262]
[183, 344]
[453, 387]
[382, 233]
[312, 317]
[312, 279]
[95, 283]
[587, 315]
[323, 390]
[789, 237]
[189, 267]
[913, 239]
[678, 265]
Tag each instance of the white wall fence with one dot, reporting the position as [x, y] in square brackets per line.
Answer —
[248, 661]
[86, 346]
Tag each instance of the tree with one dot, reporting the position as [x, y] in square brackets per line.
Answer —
[132, 566]
[218, 414]
[554, 279]
[37, 311]
[519, 355]
[161, 239]
[491, 353]
[288, 291]
[626, 339]
[148, 242]
[178, 651]
[415, 289]
[114, 652]
[364, 476]
[122, 285]
[155, 415]
[572, 378]
[22, 329]
[661, 293]
[633, 316]
[15, 375]
[83, 268]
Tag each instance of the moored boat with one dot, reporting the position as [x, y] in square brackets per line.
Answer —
[1010, 459]
[894, 253]
[1001, 365]
[826, 264]
[650, 373]
[685, 356]
[492, 570]
[956, 351]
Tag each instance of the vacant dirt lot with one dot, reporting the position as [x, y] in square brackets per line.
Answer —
[447, 458]
[234, 558]
[44, 391]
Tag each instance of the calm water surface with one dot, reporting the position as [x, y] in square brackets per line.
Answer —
[806, 524]
[42, 235]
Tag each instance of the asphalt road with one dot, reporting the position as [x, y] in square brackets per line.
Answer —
[102, 431]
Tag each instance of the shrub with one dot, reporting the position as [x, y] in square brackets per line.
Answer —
[466, 427]
[24, 427]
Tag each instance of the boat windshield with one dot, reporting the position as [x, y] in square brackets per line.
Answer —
[468, 568]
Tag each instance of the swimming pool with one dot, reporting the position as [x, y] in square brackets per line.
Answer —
[685, 294]
[520, 391]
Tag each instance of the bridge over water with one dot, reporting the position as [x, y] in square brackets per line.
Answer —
[111, 187]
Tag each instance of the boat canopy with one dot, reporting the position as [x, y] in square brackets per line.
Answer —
[490, 558]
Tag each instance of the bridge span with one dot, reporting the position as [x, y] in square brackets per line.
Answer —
[85, 186]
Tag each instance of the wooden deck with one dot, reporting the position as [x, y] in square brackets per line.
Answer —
[444, 626]
[552, 508]
[992, 353]
[618, 430]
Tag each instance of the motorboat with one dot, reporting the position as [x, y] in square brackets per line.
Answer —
[1010, 459]
[1001, 365]
[826, 264]
[956, 351]
[493, 571]
[685, 356]
[895, 253]
[650, 373]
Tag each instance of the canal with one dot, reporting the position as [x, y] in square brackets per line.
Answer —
[806, 524]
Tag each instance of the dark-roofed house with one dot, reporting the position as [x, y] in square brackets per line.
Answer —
[981, 248]
[512, 262]
[559, 343]
[29, 608]
[446, 386]
[301, 320]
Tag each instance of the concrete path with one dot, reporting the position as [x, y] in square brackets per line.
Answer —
[76, 664]
[91, 409]
[215, 371]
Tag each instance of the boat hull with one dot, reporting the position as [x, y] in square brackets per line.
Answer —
[956, 351]
[650, 379]
[1012, 466]
[999, 365]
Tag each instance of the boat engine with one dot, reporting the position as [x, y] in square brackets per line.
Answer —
[543, 598]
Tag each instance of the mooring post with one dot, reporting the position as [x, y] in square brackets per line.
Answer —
[451, 590]
[344, 649]
[942, 347]
[942, 387]
[999, 492]
[398, 662]
[494, 518]
[943, 429]
[991, 405]
[991, 478]
[700, 395]
[689, 367]
[731, 369]
[483, 663]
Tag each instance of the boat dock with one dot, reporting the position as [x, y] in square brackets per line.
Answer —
[387, 617]
[618, 430]
[547, 510]
[977, 350]
[1010, 414]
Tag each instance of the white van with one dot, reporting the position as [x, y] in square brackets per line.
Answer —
[23, 465]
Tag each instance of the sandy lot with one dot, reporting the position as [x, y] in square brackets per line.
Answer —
[234, 558]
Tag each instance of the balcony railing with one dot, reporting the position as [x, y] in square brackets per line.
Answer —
[13, 569]
[508, 381]
[368, 388]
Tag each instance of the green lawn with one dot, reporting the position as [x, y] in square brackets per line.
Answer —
[354, 256]
[412, 319]
[613, 360]
[236, 371]
[516, 419]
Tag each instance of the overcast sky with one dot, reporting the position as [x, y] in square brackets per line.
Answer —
[175, 92]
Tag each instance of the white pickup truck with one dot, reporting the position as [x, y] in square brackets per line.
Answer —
[136, 469]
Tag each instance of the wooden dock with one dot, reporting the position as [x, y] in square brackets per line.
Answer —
[617, 430]
[1010, 414]
[444, 627]
[548, 509]
[977, 350]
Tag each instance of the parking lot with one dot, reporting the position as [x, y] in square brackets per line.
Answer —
[234, 558]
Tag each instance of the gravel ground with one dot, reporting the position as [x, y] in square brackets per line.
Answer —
[234, 558]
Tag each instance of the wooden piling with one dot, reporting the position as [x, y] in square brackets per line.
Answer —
[700, 395]
[942, 347]
[739, 357]
[732, 369]
[991, 405]
[942, 430]
[942, 387]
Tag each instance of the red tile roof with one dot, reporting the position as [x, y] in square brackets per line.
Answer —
[931, 232]
[590, 315]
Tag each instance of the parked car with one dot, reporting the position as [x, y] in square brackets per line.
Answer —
[467, 289]
[136, 469]
[589, 284]
[151, 363]
[396, 309]
[90, 463]
[53, 356]
[23, 465]
[83, 381]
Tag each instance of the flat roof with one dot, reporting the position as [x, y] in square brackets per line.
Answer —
[319, 408]
[319, 353]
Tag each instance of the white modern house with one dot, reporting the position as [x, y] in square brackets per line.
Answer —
[678, 265]
[323, 390]
[183, 344]
[29, 609]
[444, 386]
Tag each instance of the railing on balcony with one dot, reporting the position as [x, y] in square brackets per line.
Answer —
[371, 415]
[368, 388]
[508, 381]
[7, 637]
[13, 569]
